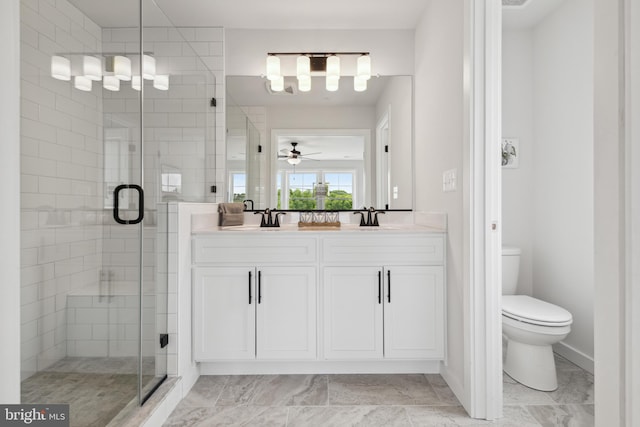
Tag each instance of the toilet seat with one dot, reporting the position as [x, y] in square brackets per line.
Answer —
[524, 308]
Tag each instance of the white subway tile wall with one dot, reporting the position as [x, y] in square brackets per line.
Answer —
[70, 243]
[61, 198]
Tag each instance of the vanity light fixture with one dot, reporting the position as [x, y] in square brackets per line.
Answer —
[92, 67]
[111, 68]
[161, 82]
[111, 83]
[136, 83]
[60, 68]
[359, 84]
[327, 64]
[82, 83]
[277, 84]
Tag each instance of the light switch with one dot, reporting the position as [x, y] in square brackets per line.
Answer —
[449, 180]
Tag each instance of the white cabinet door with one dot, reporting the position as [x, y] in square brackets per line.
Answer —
[352, 312]
[286, 310]
[224, 313]
[414, 312]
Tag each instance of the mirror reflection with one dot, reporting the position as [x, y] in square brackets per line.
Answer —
[320, 150]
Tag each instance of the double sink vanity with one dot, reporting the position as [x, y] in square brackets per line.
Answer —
[318, 299]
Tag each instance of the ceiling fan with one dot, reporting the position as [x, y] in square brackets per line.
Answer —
[294, 156]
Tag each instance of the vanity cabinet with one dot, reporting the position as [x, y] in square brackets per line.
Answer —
[243, 313]
[391, 312]
[330, 297]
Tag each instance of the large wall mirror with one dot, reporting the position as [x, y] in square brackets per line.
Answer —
[337, 150]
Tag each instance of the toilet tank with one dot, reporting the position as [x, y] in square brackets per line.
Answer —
[510, 269]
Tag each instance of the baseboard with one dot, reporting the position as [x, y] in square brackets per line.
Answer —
[320, 367]
[454, 384]
[574, 356]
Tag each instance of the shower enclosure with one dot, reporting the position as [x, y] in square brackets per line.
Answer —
[117, 127]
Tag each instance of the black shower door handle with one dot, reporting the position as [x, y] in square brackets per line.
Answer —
[116, 203]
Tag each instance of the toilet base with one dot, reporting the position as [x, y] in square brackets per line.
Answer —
[531, 365]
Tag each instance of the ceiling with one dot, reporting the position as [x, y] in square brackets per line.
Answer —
[260, 14]
[529, 14]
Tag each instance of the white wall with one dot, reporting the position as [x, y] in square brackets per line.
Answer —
[563, 245]
[439, 147]
[10, 195]
[391, 50]
[517, 122]
[61, 155]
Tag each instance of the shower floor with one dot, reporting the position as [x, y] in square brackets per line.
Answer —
[96, 389]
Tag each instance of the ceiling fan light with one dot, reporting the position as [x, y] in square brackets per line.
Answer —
[60, 68]
[333, 66]
[277, 84]
[364, 67]
[111, 83]
[332, 83]
[92, 67]
[303, 67]
[304, 85]
[294, 160]
[359, 84]
[273, 67]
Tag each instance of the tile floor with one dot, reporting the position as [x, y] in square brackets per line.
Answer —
[375, 400]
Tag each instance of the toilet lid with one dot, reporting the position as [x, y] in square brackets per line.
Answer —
[531, 310]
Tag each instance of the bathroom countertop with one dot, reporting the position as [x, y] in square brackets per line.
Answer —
[344, 228]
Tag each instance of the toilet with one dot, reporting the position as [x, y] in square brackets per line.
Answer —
[531, 327]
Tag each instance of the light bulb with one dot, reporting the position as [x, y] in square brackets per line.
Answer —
[111, 83]
[161, 82]
[333, 66]
[364, 67]
[303, 67]
[60, 68]
[273, 67]
[82, 83]
[92, 67]
[359, 84]
[332, 83]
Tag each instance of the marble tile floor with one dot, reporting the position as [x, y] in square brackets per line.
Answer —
[96, 389]
[374, 400]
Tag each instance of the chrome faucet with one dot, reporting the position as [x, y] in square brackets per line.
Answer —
[372, 217]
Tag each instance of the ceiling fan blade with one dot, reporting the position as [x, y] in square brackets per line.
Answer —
[311, 154]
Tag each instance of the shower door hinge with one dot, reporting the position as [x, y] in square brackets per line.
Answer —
[386, 148]
[164, 340]
[214, 103]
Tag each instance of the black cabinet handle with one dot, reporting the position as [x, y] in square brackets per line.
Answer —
[250, 288]
[116, 203]
[389, 283]
[379, 287]
[259, 287]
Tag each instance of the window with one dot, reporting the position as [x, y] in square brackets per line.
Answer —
[237, 186]
[316, 190]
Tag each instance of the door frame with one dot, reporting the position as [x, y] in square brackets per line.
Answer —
[483, 129]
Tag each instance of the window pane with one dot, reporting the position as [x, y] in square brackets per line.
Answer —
[340, 190]
[239, 187]
[301, 190]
